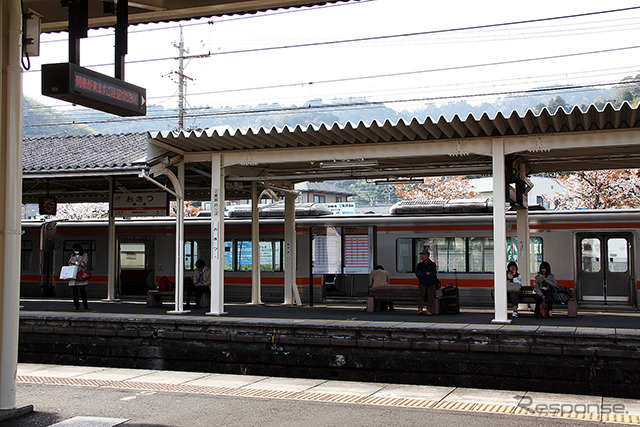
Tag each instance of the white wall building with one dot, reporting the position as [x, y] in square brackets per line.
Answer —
[542, 185]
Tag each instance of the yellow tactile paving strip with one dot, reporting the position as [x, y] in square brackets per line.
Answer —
[330, 397]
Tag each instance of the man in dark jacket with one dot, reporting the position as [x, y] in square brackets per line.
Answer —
[427, 275]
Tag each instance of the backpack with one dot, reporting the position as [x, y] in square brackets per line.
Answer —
[164, 284]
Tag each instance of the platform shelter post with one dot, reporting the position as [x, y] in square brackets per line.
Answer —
[499, 232]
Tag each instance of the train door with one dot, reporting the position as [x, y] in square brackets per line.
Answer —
[136, 256]
[47, 250]
[605, 268]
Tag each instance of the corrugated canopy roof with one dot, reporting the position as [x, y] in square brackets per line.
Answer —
[545, 142]
[55, 16]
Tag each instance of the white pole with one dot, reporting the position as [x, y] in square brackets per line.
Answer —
[217, 236]
[290, 287]
[111, 248]
[524, 251]
[10, 196]
[179, 270]
[255, 246]
[499, 233]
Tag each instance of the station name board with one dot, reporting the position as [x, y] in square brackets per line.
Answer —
[140, 204]
[85, 87]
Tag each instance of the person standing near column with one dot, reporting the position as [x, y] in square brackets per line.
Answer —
[427, 274]
[79, 257]
[202, 281]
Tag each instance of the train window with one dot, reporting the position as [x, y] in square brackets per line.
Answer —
[481, 254]
[459, 254]
[89, 247]
[228, 256]
[590, 255]
[195, 250]
[190, 254]
[535, 251]
[404, 256]
[617, 255]
[27, 254]
[449, 254]
[270, 255]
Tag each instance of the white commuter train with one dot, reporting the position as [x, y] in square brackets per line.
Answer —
[592, 252]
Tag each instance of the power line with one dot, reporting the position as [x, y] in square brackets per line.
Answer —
[360, 104]
[373, 38]
[407, 73]
[237, 18]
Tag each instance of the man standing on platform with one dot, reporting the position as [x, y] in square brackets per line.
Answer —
[427, 275]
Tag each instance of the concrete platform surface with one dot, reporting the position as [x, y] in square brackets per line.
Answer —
[564, 406]
[591, 322]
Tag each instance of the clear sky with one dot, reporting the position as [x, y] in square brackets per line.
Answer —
[433, 66]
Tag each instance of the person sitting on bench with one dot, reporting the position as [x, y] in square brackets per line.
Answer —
[380, 277]
[542, 288]
[202, 282]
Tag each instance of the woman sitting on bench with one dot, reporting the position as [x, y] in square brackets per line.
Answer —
[542, 288]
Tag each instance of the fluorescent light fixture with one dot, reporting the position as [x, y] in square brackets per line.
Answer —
[348, 164]
[399, 181]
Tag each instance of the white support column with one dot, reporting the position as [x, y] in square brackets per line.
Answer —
[524, 252]
[255, 246]
[10, 196]
[290, 287]
[179, 271]
[499, 233]
[217, 236]
[111, 248]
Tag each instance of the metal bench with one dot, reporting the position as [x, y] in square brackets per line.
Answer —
[154, 298]
[395, 293]
[526, 297]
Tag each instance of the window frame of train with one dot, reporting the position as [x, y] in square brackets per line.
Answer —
[89, 247]
[239, 256]
[195, 249]
[26, 254]
[460, 254]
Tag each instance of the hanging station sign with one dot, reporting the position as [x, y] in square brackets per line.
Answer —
[140, 204]
[72, 83]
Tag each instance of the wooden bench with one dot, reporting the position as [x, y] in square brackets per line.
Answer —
[154, 298]
[526, 297]
[394, 293]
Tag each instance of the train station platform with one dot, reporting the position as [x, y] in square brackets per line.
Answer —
[593, 354]
[390, 396]
[346, 311]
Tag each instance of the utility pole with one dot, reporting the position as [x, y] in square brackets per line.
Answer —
[182, 79]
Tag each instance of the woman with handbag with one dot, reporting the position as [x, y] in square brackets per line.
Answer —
[542, 290]
[514, 284]
[79, 258]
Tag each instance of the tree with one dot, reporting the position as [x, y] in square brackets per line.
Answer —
[81, 211]
[558, 102]
[608, 189]
[440, 188]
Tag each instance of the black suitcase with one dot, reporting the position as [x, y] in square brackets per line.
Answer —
[450, 300]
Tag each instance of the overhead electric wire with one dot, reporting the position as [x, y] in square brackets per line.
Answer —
[451, 30]
[267, 14]
[363, 104]
[373, 38]
[406, 73]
